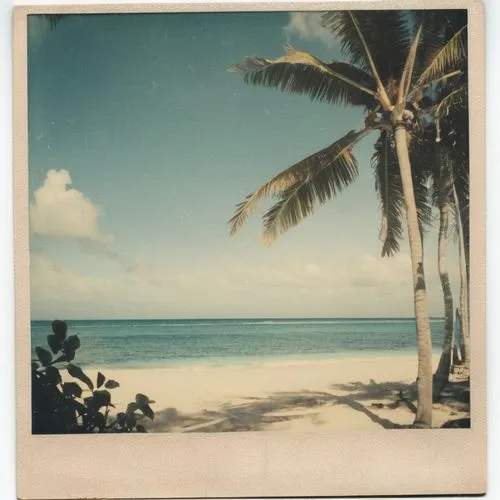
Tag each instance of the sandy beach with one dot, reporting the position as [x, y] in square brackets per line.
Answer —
[301, 396]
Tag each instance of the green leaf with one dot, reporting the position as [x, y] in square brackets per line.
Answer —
[59, 359]
[73, 342]
[102, 398]
[69, 346]
[52, 375]
[120, 418]
[131, 407]
[76, 372]
[89, 402]
[54, 344]
[72, 389]
[148, 412]
[79, 407]
[111, 384]
[130, 420]
[44, 356]
[100, 379]
[141, 400]
[59, 328]
[98, 420]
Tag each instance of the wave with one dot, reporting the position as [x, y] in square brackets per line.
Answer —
[142, 324]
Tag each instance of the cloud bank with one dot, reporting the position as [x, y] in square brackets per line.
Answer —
[363, 286]
[63, 212]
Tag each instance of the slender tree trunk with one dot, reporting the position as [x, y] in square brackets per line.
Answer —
[442, 375]
[424, 345]
[458, 358]
[464, 287]
[453, 352]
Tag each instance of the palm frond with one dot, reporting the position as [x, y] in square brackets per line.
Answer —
[423, 161]
[443, 79]
[462, 189]
[460, 205]
[318, 178]
[407, 75]
[389, 188]
[452, 113]
[386, 34]
[446, 59]
[384, 98]
[302, 73]
[297, 173]
[434, 25]
[390, 191]
[454, 229]
[456, 97]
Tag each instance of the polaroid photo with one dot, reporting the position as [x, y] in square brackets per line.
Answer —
[249, 249]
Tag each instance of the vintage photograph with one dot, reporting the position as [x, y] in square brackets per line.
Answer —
[249, 221]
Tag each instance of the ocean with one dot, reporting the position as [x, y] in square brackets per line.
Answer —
[220, 342]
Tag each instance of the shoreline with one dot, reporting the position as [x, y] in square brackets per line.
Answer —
[330, 394]
[257, 361]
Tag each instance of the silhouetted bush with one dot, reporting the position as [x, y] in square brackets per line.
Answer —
[61, 407]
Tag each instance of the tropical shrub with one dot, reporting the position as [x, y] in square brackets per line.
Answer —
[60, 407]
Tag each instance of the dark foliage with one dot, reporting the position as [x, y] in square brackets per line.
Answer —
[390, 190]
[389, 52]
[67, 407]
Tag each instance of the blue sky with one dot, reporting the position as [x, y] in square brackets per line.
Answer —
[141, 144]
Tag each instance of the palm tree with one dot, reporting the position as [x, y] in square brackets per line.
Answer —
[446, 124]
[390, 67]
[432, 163]
[444, 187]
[452, 187]
[451, 117]
[458, 152]
[456, 125]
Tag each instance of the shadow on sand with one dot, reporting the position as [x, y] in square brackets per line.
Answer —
[254, 414]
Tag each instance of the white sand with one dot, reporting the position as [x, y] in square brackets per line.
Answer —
[332, 394]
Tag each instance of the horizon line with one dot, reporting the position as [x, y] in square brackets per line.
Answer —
[248, 318]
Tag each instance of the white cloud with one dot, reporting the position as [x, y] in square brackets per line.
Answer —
[60, 211]
[307, 25]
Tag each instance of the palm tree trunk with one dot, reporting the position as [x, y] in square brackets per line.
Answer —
[464, 287]
[453, 352]
[424, 346]
[442, 375]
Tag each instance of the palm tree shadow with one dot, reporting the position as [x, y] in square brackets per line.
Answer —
[456, 395]
[355, 405]
[399, 391]
[255, 414]
[252, 414]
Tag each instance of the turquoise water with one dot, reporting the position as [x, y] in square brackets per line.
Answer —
[165, 343]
